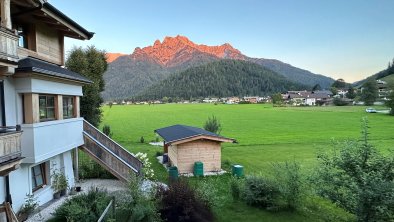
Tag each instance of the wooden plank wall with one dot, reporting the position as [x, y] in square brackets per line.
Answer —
[49, 44]
[208, 152]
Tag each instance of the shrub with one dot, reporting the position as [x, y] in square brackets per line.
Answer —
[83, 207]
[107, 130]
[290, 183]
[137, 205]
[147, 169]
[142, 140]
[358, 178]
[181, 203]
[236, 187]
[207, 190]
[90, 169]
[29, 206]
[213, 125]
[260, 192]
[340, 102]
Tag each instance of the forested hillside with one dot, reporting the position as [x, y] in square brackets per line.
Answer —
[220, 79]
[380, 75]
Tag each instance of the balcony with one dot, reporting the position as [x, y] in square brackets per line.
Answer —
[10, 149]
[44, 140]
[8, 45]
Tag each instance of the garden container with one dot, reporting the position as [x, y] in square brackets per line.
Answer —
[198, 169]
[165, 157]
[173, 173]
[238, 170]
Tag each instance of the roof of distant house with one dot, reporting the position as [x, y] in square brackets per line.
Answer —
[41, 67]
[177, 133]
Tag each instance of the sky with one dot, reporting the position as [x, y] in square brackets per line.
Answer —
[349, 39]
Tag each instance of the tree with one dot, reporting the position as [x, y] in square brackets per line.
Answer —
[213, 125]
[92, 64]
[369, 92]
[334, 90]
[277, 99]
[340, 84]
[390, 102]
[356, 176]
[107, 130]
[316, 87]
[351, 94]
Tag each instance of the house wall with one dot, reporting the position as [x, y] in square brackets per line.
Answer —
[45, 43]
[173, 155]
[43, 140]
[206, 151]
[21, 184]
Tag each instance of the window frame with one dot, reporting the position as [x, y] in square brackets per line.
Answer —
[71, 113]
[43, 174]
[46, 107]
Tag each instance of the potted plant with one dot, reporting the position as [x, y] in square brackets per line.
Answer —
[27, 208]
[59, 183]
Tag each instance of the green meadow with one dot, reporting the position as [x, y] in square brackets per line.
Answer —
[265, 134]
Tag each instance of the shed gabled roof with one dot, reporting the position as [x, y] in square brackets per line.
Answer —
[38, 66]
[177, 133]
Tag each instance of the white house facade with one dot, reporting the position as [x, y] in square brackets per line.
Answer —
[39, 100]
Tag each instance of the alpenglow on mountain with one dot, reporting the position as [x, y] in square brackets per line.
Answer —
[129, 75]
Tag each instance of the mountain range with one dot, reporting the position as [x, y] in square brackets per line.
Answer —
[129, 75]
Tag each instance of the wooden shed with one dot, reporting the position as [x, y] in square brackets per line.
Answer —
[186, 145]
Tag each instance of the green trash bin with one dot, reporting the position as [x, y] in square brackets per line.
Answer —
[238, 170]
[173, 173]
[198, 169]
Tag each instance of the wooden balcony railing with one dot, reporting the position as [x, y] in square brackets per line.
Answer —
[10, 143]
[109, 152]
[8, 45]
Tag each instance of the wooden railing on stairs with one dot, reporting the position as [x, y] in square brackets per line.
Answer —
[108, 153]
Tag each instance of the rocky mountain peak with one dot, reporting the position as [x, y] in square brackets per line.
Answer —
[179, 49]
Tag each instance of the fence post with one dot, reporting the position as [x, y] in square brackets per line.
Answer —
[113, 208]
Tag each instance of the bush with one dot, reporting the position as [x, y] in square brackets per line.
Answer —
[90, 169]
[84, 207]
[181, 203]
[213, 125]
[142, 140]
[137, 205]
[236, 187]
[147, 168]
[207, 190]
[107, 131]
[358, 178]
[339, 102]
[260, 192]
[290, 183]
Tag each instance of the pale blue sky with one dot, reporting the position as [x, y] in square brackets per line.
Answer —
[347, 39]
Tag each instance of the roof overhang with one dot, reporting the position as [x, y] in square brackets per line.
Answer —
[200, 137]
[30, 67]
[51, 16]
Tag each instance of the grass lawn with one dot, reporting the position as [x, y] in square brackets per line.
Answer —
[264, 134]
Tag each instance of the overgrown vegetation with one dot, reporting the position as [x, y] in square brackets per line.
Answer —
[359, 178]
[84, 207]
[182, 203]
[136, 204]
[213, 125]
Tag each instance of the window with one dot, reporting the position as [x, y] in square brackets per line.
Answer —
[38, 176]
[47, 107]
[68, 107]
[22, 37]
